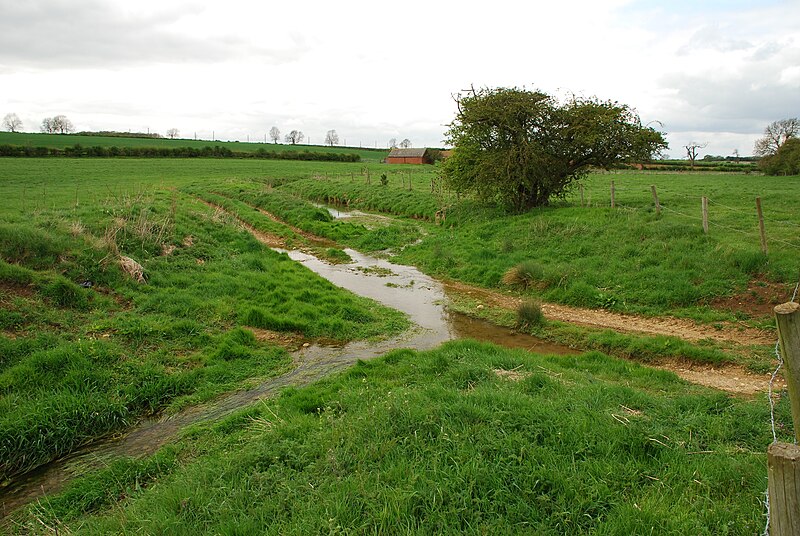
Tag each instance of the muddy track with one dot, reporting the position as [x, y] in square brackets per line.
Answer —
[601, 319]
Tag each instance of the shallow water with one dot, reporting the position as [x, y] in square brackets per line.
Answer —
[401, 287]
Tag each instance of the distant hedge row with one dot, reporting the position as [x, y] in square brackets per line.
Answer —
[685, 165]
[172, 152]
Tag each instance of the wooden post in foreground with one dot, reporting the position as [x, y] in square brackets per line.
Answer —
[761, 226]
[655, 199]
[783, 470]
[581, 187]
[613, 191]
[783, 459]
[704, 205]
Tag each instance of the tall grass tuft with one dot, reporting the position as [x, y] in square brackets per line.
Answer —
[530, 315]
[526, 274]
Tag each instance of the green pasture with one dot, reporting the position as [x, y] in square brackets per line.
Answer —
[60, 141]
[85, 349]
[467, 439]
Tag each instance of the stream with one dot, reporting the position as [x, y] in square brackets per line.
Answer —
[401, 287]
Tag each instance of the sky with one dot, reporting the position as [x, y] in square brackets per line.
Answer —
[713, 72]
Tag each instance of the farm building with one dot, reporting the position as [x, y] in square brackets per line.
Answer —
[409, 156]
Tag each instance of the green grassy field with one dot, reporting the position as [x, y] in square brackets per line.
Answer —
[77, 363]
[468, 439]
[429, 442]
[60, 141]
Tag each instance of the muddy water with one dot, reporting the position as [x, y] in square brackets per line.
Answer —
[400, 287]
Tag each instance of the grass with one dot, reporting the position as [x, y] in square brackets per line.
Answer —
[86, 349]
[60, 141]
[468, 438]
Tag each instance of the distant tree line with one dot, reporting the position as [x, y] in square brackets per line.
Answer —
[78, 151]
[116, 134]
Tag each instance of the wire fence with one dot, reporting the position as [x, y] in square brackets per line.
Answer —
[739, 220]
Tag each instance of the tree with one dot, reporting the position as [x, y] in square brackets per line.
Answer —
[786, 161]
[172, 133]
[57, 125]
[12, 123]
[294, 137]
[331, 138]
[274, 134]
[405, 144]
[392, 143]
[775, 135]
[522, 148]
[692, 151]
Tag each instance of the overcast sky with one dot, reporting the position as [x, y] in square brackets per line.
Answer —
[711, 71]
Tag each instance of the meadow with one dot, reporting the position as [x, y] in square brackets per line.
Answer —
[86, 349]
[466, 438]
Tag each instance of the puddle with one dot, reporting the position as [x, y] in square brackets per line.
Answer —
[401, 287]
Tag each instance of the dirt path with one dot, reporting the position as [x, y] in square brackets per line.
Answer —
[731, 378]
[599, 318]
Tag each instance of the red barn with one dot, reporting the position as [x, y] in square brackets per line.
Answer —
[409, 156]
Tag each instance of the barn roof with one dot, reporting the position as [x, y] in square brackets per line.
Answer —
[407, 153]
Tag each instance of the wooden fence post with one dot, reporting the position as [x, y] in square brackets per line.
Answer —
[787, 316]
[783, 471]
[581, 187]
[783, 459]
[761, 226]
[655, 199]
[613, 201]
[704, 205]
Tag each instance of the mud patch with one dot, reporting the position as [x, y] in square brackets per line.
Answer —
[758, 300]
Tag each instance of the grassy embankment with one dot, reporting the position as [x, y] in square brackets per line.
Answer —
[468, 438]
[77, 363]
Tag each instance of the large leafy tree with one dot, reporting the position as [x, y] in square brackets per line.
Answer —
[786, 161]
[523, 148]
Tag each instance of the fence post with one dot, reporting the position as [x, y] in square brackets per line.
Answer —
[613, 201]
[787, 316]
[783, 459]
[581, 187]
[761, 226]
[655, 199]
[704, 205]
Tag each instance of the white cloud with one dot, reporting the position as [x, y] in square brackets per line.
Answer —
[379, 70]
